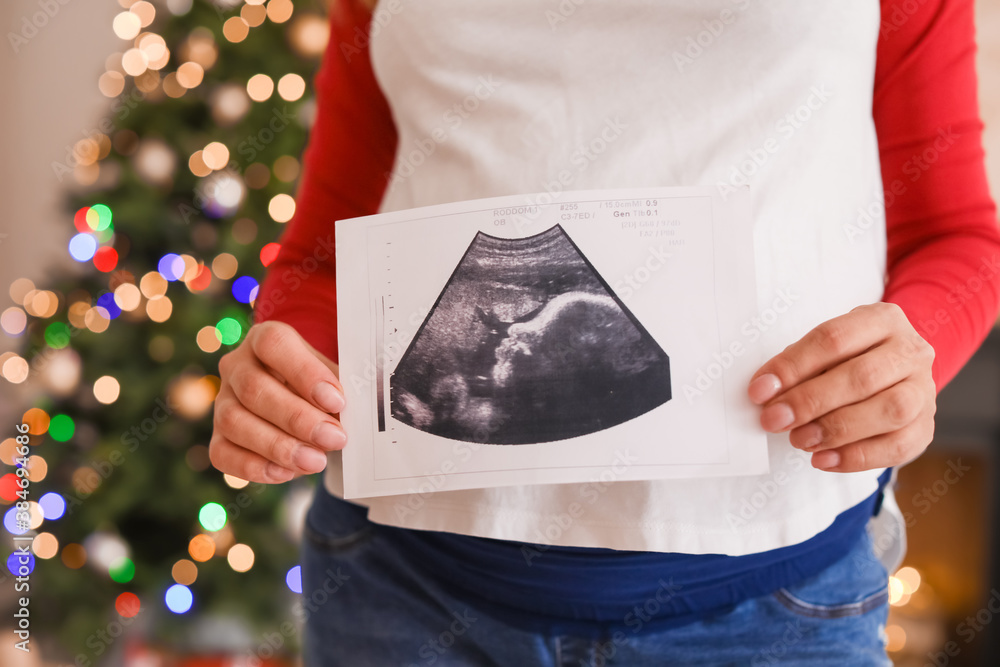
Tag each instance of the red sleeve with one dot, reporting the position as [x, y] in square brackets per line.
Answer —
[351, 149]
[943, 241]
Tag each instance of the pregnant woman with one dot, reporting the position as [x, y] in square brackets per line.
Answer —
[855, 125]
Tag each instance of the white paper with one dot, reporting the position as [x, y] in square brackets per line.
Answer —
[512, 340]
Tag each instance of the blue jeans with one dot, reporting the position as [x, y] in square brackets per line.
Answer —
[366, 606]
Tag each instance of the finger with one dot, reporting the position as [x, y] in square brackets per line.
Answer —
[262, 394]
[826, 346]
[282, 349]
[885, 412]
[232, 459]
[855, 380]
[881, 451]
[243, 428]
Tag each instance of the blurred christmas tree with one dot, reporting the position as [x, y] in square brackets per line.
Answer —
[180, 193]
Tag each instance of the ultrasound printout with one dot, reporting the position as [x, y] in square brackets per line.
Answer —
[535, 339]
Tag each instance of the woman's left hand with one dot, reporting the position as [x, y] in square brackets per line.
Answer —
[856, 391]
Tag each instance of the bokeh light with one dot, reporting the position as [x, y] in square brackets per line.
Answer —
[45, 545]
[20, 563]
[122, 570]
[240, 557]
[293, 579]
[127, 296]
[201, 548]
[212, 516]
[245, 289]
[106, 389]
[184, 572]
[57, 335]
[159, 308]
[82, 247]
[13, 321]
[291, 87]
[235, 29]
[74, 556]
[229, 331]
[107, 306]
[61, 428]
[11, 524]
[9, 487]
[178, 598]
[269, 253]
[127, 605]
[224, 266]
[207, 340]
[260, 87]
[15, 369]
[37, 421]
[234, 482]
[281, 208]
[171, 267]
[38, 468]
[53, 506]
[153, 283]
[106, 259]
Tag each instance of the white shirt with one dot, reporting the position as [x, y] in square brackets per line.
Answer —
[495, 98]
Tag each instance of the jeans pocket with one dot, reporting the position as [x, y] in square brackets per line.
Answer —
[854, 585]
[336, 526]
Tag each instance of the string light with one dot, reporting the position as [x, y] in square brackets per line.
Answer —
[229, 331]
[269, 253]
[212, 516]
[235, 29]
[127, 605]
[234, 482]
[38, 468]
[37, 421]
[122, 570]
[245, 289]
[13, 321]
[19, 565]
[45, 545]
[240, 557]
[106, 389]
[127, 296]
[201, 548]
[293, 579]
[126, 25]
[207, 340]
[286, 168]
[260, 87]
[190, 75]
[53, 506]
[280, 11]
[178, 598]
[15, 369]
[224, 266]
[291, 87]
[281, 208]
[184, 572]
[74, 556]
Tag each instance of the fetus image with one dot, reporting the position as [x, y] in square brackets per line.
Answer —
[527, 344]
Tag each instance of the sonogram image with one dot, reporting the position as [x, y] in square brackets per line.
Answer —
[527, 344]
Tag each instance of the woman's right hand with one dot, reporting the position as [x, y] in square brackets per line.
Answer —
[275, 415]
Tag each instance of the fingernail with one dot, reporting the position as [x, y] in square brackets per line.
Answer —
[279, 473]
[826, 460]
[777, 417]
[764, 388]
[329, 436]
[310, 458]
[328, 397]
[813, 435]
